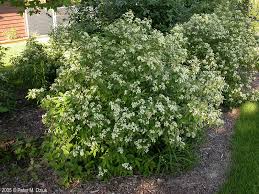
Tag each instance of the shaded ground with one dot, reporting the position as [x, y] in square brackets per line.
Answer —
[206, 177]
[25, 120]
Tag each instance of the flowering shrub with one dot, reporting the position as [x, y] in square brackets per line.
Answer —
[226, 43]
[127, 101]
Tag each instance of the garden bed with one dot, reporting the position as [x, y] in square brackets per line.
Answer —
[206, 177]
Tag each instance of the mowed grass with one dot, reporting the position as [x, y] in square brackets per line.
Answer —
[244, 173]
[14, 49]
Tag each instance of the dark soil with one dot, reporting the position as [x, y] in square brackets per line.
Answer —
[23, 121]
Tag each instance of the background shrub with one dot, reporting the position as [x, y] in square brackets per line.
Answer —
[164, 14]
[6, 95]
[225, 42]
[36, 66]
[127, 101]
[7, 100]
[93, 15]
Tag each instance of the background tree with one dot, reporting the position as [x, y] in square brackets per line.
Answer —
[36, 4]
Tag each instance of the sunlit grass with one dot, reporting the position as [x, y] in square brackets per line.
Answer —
[14, 49]
[250, 108]
[244, 174]
[256, 25]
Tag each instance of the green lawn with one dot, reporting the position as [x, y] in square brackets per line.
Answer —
[14, 49]
[244, 174]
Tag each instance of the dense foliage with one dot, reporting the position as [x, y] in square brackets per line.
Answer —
[93, 15]
[225, 42]
[36, 66]
[126, 100]
[6, 94]
[164, 13]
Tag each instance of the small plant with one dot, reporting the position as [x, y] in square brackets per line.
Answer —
[7, 100]
[22, 155]
[10, 33]
[30, 150]
[25, 148]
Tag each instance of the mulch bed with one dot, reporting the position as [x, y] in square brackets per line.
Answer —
[206, 177]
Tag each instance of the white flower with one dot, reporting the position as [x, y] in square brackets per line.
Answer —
[127, 166]
[120, 150]
[157, 124]
[101, 172]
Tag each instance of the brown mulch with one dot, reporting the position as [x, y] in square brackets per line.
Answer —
[24, 121]
[205, 178]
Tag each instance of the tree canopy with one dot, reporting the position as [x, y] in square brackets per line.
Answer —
[23, 4]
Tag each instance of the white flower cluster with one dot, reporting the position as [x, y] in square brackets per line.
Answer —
[35, 93]
[225, 43]
[127, 166]
[101, 172]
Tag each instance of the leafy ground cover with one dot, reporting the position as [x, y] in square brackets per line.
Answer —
[244, 174]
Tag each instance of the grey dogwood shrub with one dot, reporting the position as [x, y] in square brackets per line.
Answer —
[225, 42]
[126, 100]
